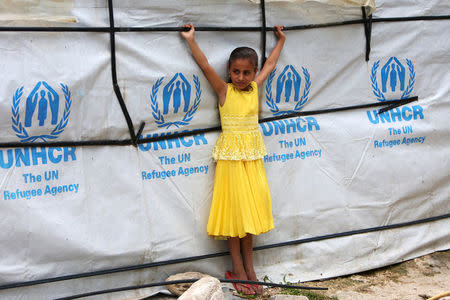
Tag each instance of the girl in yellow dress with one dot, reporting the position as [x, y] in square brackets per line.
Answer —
[241, 205]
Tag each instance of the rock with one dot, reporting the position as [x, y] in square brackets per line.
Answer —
[288, 297]
[180, 288]
[207, 288]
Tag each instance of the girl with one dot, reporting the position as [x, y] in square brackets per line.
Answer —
[241, 205]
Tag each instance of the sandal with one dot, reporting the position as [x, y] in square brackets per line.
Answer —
[229, 275]
[255, 287]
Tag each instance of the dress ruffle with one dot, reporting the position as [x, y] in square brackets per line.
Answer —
[241, 201]
[239, 146]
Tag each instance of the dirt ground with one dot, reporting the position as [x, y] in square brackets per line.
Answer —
[416, 279]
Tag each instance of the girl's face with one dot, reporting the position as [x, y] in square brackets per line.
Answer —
[242, 73]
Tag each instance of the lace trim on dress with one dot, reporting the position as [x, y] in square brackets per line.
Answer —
[244, 145]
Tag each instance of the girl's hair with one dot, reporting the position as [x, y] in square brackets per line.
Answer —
[243, 53]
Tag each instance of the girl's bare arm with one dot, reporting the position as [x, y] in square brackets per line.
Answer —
[271, 61]
[219, 85]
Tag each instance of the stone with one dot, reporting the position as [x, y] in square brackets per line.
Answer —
[207, 288]
[179, 288]
[287, 297]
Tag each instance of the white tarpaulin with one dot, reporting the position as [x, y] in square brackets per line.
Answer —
[70, 210]
[36, 10]
[343, 3]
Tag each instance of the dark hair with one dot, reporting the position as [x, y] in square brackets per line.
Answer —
[243, 53]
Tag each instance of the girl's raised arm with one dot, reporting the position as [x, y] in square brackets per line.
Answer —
[219, 85]
[271, 61]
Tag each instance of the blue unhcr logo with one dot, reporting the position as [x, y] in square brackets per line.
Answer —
[43, 101]
[176, 91]
[288, 86]
[393, 79]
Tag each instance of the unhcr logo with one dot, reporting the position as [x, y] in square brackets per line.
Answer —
[395, 80]
[42, 106]
[176, 100]
[287, 97]
[393, 77]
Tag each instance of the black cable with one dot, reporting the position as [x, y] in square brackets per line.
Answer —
[213, 255]
[367, 30]
[353, 232]
[138, 140]
[125, 29]
[126, 142]
[138, 134]
[263, 33]
[416, 18]
[389, 103]
[54, 29]
[136, 287]
[114, 75]
[216, 28]
[394, 105]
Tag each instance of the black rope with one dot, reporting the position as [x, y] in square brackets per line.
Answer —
[141, 128]
[353, 232]
[416, 18]
[114, 75]
[126, 29]
[263, 33]
[367, 30]
[217, 28]
[219, 254]
[390, 104]
[136, 287]
[394, 105]
[126, 142]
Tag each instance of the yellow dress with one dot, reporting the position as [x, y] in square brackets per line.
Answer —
[241, 201]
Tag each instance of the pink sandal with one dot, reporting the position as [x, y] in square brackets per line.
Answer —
[228, 275]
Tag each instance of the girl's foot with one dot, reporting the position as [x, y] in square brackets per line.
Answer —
[245, 289]
[256, 287]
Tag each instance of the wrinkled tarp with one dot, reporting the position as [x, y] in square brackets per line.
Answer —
[66, 210]
[37, 10]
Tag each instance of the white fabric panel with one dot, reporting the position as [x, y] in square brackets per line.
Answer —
[67, 210]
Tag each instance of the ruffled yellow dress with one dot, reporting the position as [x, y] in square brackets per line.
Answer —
[241, 201]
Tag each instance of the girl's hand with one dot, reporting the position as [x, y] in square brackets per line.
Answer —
[271, 61]
[188, 35]
[279, 33]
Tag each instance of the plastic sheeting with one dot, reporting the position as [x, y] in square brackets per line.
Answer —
[67, 210]
[36, 10]
[370, 4]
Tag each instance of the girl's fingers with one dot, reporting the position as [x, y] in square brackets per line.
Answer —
[188, 31]
[279, 31]
[190, 26]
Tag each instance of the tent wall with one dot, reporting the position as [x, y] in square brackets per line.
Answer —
[70, 210]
